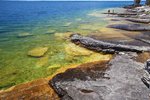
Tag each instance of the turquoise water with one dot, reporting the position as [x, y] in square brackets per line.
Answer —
[42, 20]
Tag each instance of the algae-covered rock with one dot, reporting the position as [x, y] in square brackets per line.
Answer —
[50, 31]
[63, 35]
[42, 61]
[23, 35]
[75, 50]
[67, 24]
[38, 52]
[97, 57]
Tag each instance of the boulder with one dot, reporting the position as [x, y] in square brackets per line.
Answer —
[38, 52]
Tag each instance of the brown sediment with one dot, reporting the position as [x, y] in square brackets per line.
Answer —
[41, 90]
[36, 90]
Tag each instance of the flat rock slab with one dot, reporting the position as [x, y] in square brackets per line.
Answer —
[137, 20]
[106, 47]
[123, 82]
[131, 27]
[38, 52]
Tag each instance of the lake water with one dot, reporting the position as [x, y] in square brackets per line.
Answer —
[45, 21]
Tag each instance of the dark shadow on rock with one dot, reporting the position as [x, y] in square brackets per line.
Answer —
[88, 71]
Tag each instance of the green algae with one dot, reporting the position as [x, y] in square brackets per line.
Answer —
[17, 67]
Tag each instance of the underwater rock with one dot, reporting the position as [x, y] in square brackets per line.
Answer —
[50, 31]
[122, 81]
[67, 24]
[131, 27]
[4, 39]
[63, 36]
[35, 90]
[106, 47]
[23, 35]
[38, 52]
[42, 61]
[75, 50]
[146, 21]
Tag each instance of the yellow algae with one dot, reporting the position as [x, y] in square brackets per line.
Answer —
[38, 52]
[89, 26]
[42, 61]
[97, 57]
[76, 50]
[63, 36]
[54, 66]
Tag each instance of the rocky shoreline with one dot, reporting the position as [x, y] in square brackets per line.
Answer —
[116, 79]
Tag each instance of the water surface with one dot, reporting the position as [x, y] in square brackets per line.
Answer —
[43, 20]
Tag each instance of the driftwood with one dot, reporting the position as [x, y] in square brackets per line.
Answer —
[131, 27]
[146, 21]
[105, 47]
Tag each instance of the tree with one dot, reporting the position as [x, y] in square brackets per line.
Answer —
[137, 2]
[147, 2]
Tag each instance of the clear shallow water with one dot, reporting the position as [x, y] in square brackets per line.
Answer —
[38, 19]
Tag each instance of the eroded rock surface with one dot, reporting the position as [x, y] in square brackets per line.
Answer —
[106, 47]
[131, 27]
[121, 81]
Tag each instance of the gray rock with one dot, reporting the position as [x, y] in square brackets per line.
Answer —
[131, 27]
[105, 47]
[124, 82]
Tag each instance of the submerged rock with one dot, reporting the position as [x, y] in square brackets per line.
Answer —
[67, 24]
[38, 52]
[23, 35]
[50, 31]
[42, 61]
[63, 36]
[4, 39]
[75, 50]
[131, 27]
